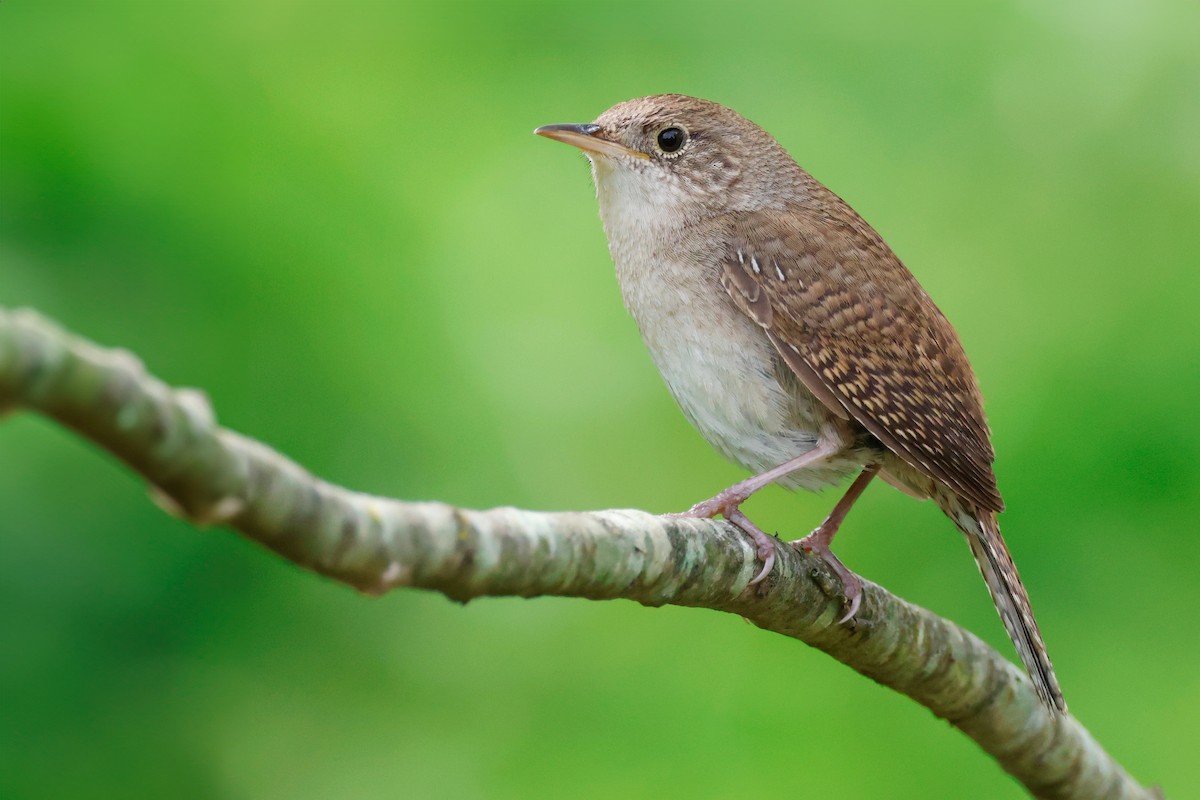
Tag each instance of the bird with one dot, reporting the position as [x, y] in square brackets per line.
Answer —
[793, 338]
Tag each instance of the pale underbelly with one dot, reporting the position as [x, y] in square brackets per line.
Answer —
[724, 379]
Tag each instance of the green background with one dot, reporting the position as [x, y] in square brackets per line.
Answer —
[333, 218]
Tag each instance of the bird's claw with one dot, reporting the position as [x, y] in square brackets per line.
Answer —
[764, 544]
[851, 583]
[722, 505]
[766, 552]
[725, 505]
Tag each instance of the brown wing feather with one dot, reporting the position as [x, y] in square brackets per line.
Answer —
[862, 335]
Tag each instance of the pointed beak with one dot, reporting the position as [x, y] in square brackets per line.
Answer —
[587, 137]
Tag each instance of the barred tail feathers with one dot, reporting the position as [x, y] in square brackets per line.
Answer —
[1012, 602]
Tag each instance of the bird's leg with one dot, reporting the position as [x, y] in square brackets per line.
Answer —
[819, 540]
[729, 499]
[728, 503]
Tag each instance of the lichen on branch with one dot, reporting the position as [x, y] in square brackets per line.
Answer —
[210, 475]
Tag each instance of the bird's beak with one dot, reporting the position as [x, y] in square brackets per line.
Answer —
[587, 137]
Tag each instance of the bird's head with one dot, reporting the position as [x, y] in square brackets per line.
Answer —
[691, 156]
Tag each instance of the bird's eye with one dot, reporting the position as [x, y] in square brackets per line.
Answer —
[671, 139]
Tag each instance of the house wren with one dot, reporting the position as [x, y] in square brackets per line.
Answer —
[792, 336]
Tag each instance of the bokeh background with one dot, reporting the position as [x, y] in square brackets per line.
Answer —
[334, 219]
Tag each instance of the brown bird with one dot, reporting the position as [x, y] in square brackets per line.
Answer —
[792, 336]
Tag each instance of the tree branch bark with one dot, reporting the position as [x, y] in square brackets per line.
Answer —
[210, 475]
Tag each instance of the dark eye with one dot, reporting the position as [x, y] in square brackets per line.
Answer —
[671, 139]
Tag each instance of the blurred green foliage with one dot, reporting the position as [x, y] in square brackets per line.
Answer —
[334, 219]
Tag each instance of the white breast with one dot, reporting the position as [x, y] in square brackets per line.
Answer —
[717, 363]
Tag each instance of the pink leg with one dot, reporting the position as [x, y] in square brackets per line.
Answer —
[739, 493]
[819, 540]
[728, 503]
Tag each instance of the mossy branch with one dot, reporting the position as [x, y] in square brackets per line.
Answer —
[211, 475]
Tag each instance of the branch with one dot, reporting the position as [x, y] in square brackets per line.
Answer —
[208, 474]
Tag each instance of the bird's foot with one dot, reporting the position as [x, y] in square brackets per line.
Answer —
[818, 542]
[764, 543]
[723, 504]
[726, 504]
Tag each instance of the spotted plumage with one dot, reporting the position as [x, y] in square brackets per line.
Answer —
[861, 334]
[792, 336]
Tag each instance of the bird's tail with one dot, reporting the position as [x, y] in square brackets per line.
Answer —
[1000, 574]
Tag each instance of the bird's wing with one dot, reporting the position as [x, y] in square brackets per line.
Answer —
[862, 335]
